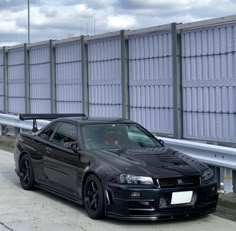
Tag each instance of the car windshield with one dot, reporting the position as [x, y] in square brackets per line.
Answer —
[117, 136]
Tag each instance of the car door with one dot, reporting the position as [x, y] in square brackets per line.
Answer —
[39, 150]
[60, 163]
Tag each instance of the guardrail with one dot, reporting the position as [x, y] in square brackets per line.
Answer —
[14, 121]
[221, 159]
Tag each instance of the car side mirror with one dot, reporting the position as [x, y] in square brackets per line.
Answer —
[161, 142]
[72, 145]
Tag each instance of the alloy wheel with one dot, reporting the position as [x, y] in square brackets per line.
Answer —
[94, 197]
[26, 173]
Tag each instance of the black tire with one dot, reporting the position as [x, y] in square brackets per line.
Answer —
[26, 172]
[94, 197]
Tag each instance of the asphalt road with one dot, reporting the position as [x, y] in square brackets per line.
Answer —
[38, 210]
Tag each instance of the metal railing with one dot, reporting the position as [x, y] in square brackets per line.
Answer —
[14, 121]
[221, 159]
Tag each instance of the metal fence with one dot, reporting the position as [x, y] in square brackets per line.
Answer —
[177, 79]
[40, 77]
[2, 78]
[104, 76]
[150, 79]
[209, 83]
[16, 80]
[68, 76]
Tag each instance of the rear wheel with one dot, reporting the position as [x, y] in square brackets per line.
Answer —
[26, 173]
[94, 197]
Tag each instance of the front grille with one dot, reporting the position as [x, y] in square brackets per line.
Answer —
[179, 182]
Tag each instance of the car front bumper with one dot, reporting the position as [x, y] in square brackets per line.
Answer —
[155, 204]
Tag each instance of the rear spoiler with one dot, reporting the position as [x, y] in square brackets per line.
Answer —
[35, 117]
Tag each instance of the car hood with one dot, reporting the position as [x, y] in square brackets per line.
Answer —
[155, 162]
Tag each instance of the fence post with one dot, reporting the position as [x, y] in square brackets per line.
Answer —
[228, 180]
[27, 79]
[5, 74]
[52, 76]
[84, 74]
[234, 181]
[177, 82]
[216, 171]
[124, 75]
[1, 130]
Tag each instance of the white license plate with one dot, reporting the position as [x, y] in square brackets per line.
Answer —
[181, 197]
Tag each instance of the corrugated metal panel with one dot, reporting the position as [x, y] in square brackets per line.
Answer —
[40, 79]
[150, 81]
[104, 77]
[68, 77]
[1, 81]
[16, 80]
[209, 83]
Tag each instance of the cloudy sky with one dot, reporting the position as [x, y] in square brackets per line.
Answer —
[56, 19]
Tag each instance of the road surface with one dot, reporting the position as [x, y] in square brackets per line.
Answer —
[38, 210]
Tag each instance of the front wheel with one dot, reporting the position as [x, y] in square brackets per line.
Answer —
[26, 172]
[94, 197]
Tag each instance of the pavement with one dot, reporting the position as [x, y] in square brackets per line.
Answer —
[38, 210]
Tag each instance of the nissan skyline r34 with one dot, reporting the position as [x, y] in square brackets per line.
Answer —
[113, 167]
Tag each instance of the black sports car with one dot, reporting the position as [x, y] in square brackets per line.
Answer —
[114, 167]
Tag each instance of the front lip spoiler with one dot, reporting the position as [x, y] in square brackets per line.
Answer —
[161, 217]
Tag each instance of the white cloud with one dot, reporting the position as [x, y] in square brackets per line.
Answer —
[8, 44]
[120, 22]
[174, 2]
[10, 27]
[83, 10]
[8, 23]
[159, 3]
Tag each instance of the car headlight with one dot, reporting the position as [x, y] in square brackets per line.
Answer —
[207, 175]
[132, 179]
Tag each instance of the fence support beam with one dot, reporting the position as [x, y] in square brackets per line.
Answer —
[52, 76]
[5, 74]
[177, 82]
[84, 75]
[216, 171]
[228, 180]
[27, 79]
[124, 75]
[234, 181]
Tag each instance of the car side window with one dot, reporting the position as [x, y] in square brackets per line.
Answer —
[47, 133]
[66, 132]
[140, 139]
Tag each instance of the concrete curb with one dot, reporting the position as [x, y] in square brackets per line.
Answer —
[227, 200]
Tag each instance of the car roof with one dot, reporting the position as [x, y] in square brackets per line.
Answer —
[94, 120]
